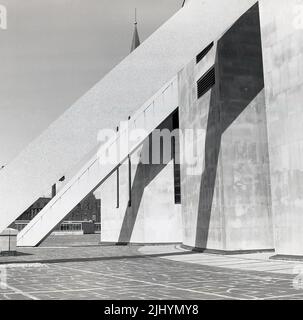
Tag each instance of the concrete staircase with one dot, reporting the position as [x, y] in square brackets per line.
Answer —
[130, 136]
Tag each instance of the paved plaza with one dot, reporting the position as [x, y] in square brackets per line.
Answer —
[76, 267]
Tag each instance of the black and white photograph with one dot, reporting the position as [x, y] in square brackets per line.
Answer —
[151, 153]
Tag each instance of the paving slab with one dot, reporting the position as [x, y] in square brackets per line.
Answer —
[61, 269]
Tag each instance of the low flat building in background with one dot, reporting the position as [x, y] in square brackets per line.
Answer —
[88, 210]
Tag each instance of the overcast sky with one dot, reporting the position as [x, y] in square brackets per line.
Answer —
[55, 50]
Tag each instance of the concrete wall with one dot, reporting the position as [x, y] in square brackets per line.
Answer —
[153, 217]
[225, 192]
[282, 41]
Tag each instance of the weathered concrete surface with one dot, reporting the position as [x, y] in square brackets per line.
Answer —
[115, 97]
[282, 41]
[225, 193]
[153, 217]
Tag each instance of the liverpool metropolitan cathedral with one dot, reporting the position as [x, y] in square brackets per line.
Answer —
[221, 86]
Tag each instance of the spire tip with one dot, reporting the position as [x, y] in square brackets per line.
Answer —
[135, 15]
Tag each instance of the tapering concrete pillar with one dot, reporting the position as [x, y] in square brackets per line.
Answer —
[225, 186]
[282, 38]
[147, 211]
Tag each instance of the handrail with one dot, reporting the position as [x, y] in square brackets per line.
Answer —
[96, 157]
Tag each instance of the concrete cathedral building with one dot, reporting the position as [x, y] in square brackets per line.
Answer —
[229, 75]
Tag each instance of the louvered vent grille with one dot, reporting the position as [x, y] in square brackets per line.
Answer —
[204, 52]
[207, 81]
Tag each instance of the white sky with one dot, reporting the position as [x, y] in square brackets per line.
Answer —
[55, 50]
